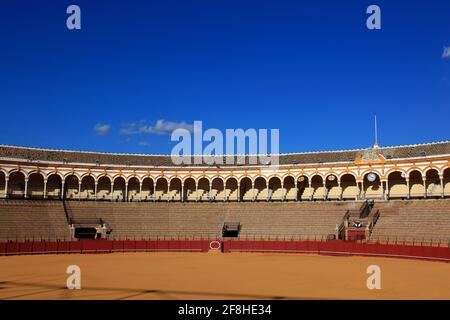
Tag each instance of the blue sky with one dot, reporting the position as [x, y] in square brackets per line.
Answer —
[136, 69]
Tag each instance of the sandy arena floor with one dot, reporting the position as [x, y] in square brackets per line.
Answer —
[220, 276]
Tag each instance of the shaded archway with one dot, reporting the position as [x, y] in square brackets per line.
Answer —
[161, 190]
[87, 188]
[190, 190]
[2, 184]
[290, 189]
[35, 188]
[203, 189]
[397, 187]
[305, 191]
[349, 187]
[133, 189]
[119, 189]
[231, 190]
[447, 182]
[54, 186]
[416, 185]
[276, 193]
[317, 184]
[16, 185]
[372, 186]
[433, 184]
[104, 189]
[147, 189]
[332, 189]
[260, 189]
[217, 189]
[71, 186]
[175, 189]
[245, 189]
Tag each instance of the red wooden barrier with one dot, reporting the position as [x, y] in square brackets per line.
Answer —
[26, 247]
[309, 247]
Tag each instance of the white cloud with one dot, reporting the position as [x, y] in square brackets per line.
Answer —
[144, 144]
[102, 129]
[446, 53]
[161, 127]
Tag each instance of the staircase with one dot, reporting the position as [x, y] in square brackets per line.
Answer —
[358, 224]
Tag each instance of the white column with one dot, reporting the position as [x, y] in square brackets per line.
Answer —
[283, 192]
[79, 190]
[196, 191]
[6, 187]
[385, 191]
[296, 190]
[140, 190]
[253, 191]
[209, 193]
[95, 189]
[407, 187]
[325, 191]
[126, 191]
[441, 177]
[168, 191]
[112, 190]
[26, 188]
[45, 189]
[154, 191]
[339, 186]
[224, 190]
[182, 192]
[238, 192]
[61, 195]
[424, 179]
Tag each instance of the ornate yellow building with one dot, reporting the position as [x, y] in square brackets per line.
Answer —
[414, 171]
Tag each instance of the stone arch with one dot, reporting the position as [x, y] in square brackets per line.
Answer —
[416, 185]
[317, 183]
[276, 193]
[203, 188]
[446, 174]
[372, 189]
[217, 189]
[231, 189]
[290, 188]
[104, 188]
[260, 189]
[175, 189]
[134, 188]
[35, 187]
[71, 185]
[161, 189]
[305, 191]
[397, 186]
[349, 186]
[433, 183]
[54, 186]
[16, 184]
[2, 184]
[190, 189]
[119, 187]
[245, 188]
[332, 188]
[148, 186]
[87, 187]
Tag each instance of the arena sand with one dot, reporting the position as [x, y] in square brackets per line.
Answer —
[220, 276]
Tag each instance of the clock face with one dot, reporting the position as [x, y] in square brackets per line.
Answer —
[371, 177]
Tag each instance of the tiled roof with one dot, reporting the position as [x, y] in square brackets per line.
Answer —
[49, 155]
